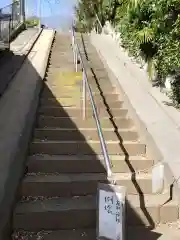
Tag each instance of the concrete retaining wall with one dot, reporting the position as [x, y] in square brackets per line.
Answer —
[156, 127]
[18, 108]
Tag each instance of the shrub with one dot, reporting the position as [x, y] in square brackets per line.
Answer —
[150, 30]
[32, 22]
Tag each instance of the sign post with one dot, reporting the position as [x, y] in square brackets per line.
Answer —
[111, 214]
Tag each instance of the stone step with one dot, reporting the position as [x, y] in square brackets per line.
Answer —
[58, 77]
[72, 91]
[85, 148]
[77, 112]
[75, 102]
[109, 105]
[98, 70]
[61, 52]
[62, 48]
[75, 234]
[56, 67]
[61, 56]
[53, 214]
[54, 81]
[75, 123]
[66, 67]
[61, 213]
[86, 163]
[58, 111]
[108, 97]
[55, 61]
[61, 134]
[161, 232]
[59, 88]
[100, 74]
[47, 93]
[67, 185]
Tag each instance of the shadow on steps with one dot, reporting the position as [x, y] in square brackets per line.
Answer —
[49, 202]
[139, 191]
[54, 221]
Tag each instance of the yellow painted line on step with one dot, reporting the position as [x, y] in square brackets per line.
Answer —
[61, 86]
[75, 97]
[65, 97]
[58, 94]
[70, 87]
[70, 78]
[69, 101]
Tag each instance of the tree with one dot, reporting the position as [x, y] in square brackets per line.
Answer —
[150, 30]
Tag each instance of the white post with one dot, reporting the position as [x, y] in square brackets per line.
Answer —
[73, 41]
[84, 95]
[73, 48]
[76, 58]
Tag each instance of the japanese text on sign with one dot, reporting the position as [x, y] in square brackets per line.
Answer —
[109, 201]
[111, 214]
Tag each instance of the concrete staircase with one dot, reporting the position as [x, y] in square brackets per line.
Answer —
[65, 163]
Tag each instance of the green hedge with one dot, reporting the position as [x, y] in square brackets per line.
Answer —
[150, 30]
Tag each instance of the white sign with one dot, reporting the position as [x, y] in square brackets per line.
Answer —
[111, 212]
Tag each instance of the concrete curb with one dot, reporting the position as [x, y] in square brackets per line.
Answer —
[158, 131]
[9, 72]
[18, 108]
[25, 49]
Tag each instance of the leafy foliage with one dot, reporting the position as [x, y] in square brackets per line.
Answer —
[150, 30]
[32, 22]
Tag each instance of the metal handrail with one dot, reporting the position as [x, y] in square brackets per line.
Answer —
[99, 25]
[77, 53]
[97, 19]
[10, 4]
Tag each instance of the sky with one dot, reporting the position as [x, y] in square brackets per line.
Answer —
[54, 13]
[48, 7]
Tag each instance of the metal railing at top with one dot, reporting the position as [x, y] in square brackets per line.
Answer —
[97, 25]
[87, 89]
[10, 18]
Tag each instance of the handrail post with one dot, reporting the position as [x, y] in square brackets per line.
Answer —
[73, 46]
[73, 39]
[74, 55]
[76, 59]
[84, 94]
